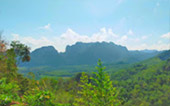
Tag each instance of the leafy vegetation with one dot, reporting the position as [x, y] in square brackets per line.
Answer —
[98, 92]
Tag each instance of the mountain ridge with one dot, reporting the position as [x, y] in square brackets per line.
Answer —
[85, 53]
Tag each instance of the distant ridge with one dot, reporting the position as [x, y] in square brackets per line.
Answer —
[87, 54]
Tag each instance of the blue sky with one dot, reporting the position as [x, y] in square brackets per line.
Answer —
[136, 24]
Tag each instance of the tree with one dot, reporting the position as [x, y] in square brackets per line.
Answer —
[22, 51]
[99, 92]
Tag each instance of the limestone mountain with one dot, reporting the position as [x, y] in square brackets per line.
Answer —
[86, 54]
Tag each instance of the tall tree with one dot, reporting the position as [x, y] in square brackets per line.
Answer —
[22, 51]
[99, 92]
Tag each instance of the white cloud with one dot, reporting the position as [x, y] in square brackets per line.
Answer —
[144, 37]
[15, 36]
[135, 40]
[32, 42]
[130, 32]
[70, 37]
[166, 36]
[159, 42]
[157, 46]
[124, 38]
[46, 27]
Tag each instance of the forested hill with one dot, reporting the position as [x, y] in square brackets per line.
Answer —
[146, 83]
[86, 53]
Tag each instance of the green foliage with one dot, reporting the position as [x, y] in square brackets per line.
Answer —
[8, 67]
[106, 94]
[22, 51]
[8, 92]
[99, 93]
[86, 94]
[146, 83]
[39, 98]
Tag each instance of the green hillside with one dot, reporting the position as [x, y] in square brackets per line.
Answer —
[146, 83]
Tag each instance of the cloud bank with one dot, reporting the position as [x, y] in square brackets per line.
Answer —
[70, 37]
[166, 36]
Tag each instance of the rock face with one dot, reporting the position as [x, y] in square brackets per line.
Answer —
[89, 53]
[85, 53]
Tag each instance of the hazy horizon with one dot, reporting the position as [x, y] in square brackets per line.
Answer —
[92, 42]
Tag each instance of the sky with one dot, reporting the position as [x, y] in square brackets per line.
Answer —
[136, 24]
